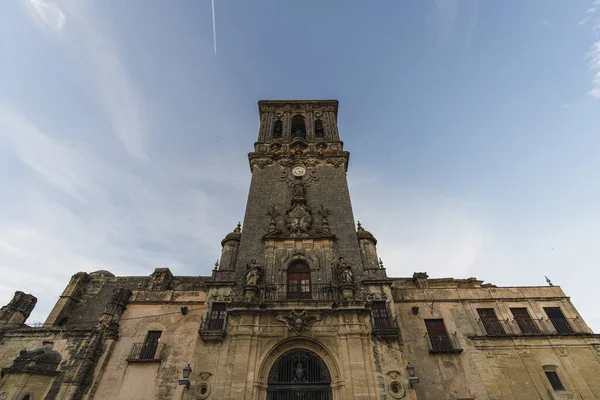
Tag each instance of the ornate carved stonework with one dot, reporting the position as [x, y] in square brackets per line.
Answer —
[298, 220]
[261, 162]
[298, 321]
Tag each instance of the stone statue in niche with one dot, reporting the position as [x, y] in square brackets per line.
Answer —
[254, 273]
[344, 271]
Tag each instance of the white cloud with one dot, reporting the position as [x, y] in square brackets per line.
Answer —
[47, 15]
[110, 84]
[125, 222]
[58, 164]
[594, 64]
[456, 17]
[593, 55]
[417, 231]
[447, 12]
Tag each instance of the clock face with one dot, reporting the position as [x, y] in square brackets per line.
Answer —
[298, 170]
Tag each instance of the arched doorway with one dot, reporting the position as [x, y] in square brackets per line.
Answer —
[299, 375]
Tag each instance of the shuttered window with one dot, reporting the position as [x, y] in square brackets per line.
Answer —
[436, 330]
[524, 321]
[150, 345]
[490, 322]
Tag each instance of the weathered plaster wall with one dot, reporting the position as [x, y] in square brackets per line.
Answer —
[489, 367]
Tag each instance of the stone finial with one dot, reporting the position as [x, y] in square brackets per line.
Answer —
[18, 309]
[362, 233]
[236, 234]
[380, 263]
[420, 279]
[160, 279]
[549, 281]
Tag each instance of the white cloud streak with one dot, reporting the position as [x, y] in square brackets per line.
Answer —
[593, 56]
[88, 214]
[110, 84]
[47, 15]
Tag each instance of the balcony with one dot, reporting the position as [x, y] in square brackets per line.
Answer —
[145, 352]
[385, 328]
[311, 293]
[213, 330]
[533, 327]
[443, 343]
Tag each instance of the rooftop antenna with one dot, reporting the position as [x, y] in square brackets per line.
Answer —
[214, 26]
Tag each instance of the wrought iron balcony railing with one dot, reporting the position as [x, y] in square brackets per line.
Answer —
[295, 293]
[145, 352]
[533, 327]
[443, 343]
[385, 328]
[213, 329]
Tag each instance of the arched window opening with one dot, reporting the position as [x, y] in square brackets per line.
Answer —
[319, 131]
[27, 397]
[298, 127]
[299, 282]
[278, 129]
[299, 374]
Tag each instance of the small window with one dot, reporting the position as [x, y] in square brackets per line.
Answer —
[524, 321]
[298, 127]
[218, 314]
[277, 129]
[438, 336]
[381, 318]
[558, 320]
[554, 380]
[319, 131]
[490, 322]
[150, 345]
[26, 397]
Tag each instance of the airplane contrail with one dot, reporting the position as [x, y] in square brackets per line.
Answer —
[214, 26]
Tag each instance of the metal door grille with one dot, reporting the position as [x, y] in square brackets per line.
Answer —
[299, 375]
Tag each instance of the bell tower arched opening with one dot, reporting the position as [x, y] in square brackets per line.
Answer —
[299, 374]
[298, 127]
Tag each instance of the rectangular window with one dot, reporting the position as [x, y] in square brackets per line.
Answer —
[305, 285]
[524, 321]
[554, 380]
[381, 318]
[150, 345]
[293, 286]
[216, 319]
[559, 321]
[490, 322]
[436, 330]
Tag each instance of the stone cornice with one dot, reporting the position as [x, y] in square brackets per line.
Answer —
[289, 105]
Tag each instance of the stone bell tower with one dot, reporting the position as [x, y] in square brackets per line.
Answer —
[299, 216]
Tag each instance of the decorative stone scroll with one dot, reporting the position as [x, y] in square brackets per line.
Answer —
[298, 321]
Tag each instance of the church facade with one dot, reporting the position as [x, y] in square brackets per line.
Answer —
[299, 307]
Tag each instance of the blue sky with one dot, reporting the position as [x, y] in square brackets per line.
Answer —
[473, 128]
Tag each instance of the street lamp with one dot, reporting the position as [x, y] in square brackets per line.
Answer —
[413, 379]
[187, 371]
